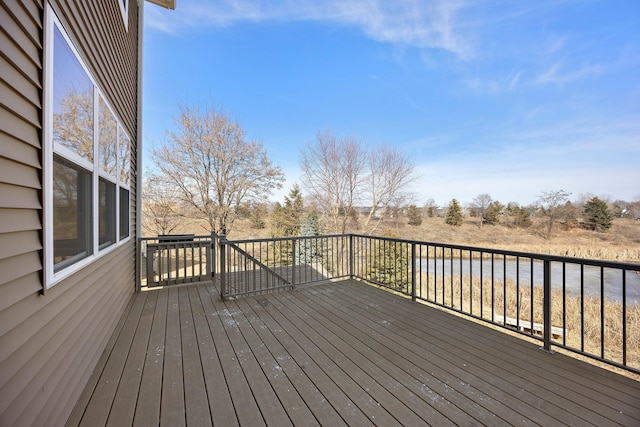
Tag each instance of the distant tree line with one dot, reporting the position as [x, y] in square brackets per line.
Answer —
[553, 207]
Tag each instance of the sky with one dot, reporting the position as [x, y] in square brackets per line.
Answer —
[509, 98]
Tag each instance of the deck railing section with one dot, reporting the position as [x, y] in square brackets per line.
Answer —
[589, 307]
[175, 259]
[259, 266]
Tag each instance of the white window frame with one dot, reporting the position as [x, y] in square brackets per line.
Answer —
[51, 277]
[124, 10]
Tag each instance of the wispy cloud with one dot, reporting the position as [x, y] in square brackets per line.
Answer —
[560, 76]
[494, 86]
[416, 23]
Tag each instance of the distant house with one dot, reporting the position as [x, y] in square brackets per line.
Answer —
[69, 163]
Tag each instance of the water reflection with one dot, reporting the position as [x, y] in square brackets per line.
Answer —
[525, 270]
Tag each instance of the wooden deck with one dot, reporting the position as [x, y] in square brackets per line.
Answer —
[334, 354]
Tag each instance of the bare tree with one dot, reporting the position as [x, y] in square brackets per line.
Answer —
[73, 122]
[333, 172]
[429, 208]
[481, 203]
[214, 167]
[341, 173]
[552, 203]
[390, 174]
[161, 212]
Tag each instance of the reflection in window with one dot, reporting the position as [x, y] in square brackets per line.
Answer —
[72, 101]
[108, 139]
[124, 213]
[106, 213]
[71, 213]
[125, 157]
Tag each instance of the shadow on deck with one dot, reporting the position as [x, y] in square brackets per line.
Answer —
[341, 353]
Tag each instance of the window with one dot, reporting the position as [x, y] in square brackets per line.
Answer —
[106, 213]
[72, 214]
[124, 213]
[87, 163]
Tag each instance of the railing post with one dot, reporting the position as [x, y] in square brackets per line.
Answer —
[546, 306]
[223, 266]
[293, 263]
[138, 264]
[214, 259]
[351, 256]
[413, 272]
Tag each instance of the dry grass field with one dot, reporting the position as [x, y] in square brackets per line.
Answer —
[621, 243]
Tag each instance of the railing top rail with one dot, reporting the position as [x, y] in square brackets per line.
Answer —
[280, 239]
[537, 256]
[177, 236]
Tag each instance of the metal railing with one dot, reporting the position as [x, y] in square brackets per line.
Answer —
[587, 306]
[258, 266]
[175, 259]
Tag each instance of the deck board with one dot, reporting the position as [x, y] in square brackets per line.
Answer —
[150, 392]
[341, 353]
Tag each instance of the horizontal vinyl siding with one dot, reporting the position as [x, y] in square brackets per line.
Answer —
[50, 344]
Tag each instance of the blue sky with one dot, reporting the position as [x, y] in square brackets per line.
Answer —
[509, 98]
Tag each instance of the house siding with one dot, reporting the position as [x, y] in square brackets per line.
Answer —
[50, 342]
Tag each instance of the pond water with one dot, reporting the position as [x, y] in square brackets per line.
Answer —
[512, 269]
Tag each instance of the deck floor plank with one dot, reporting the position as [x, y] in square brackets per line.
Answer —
[148, 403]
[270, 363]
[172, 400]
[343, 372]
[303, 353]
[195, 393]
[220, 403]
[342, 353]
[127, 393]
[383, 361]
[392, 393]
[246, 408]
[270, 406]
[484, 399]
[317, 403]
[99, 407]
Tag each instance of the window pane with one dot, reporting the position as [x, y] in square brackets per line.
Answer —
[124, 213]
[71, 213]
[106, 213]
[124, 155]
[72, 100]
[107, 139]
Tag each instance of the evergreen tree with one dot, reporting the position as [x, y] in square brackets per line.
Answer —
[598, 215]
[493, 213]
[257, 216]
[389, 264]
[309, 251]
[285, 222]
[415, 216]
[285, 219]
[454, 213]
[520, 216]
